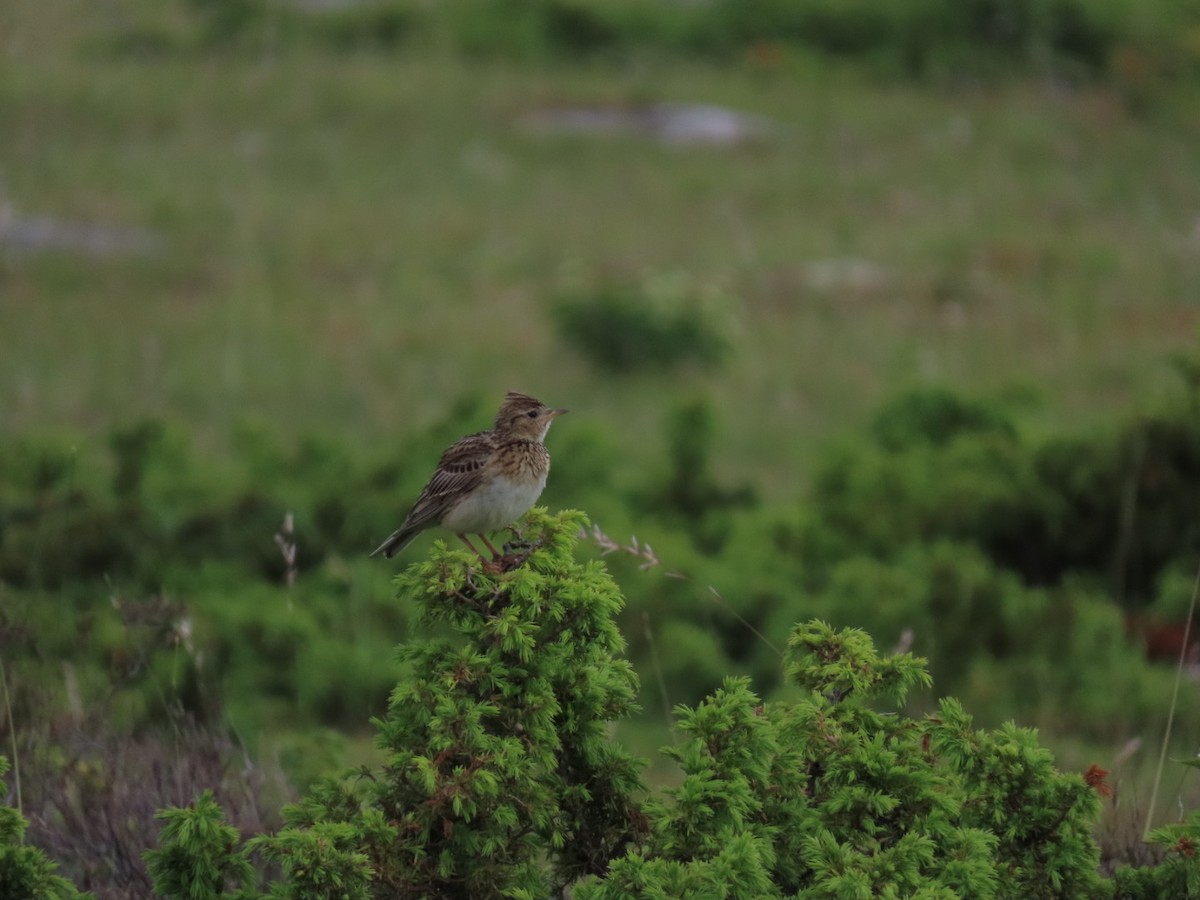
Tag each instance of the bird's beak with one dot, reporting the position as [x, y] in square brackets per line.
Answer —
[555, 413]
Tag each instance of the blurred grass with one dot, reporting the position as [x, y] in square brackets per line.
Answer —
[354, 239]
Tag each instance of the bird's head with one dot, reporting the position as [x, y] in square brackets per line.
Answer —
[521, 416]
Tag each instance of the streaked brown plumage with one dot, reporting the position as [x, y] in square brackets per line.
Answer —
[486, 480]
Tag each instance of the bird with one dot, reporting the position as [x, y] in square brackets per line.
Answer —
[485, 480]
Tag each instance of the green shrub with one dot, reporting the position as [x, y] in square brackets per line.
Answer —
[935, 417]
[534, 29]
[499, 745]
[688, 496]
[1134, 44]
[927, 36]
[1115, 508]
[200, 855]
[229, 21]
[657, 324]
[355, 26]
[502, 778]
[154, 571]
[1177, 876]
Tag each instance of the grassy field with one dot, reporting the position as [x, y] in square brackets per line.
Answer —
[349, 243]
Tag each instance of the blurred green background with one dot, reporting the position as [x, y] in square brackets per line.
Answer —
[883, 313]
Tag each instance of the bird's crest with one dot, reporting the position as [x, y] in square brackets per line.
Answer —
[516, 403]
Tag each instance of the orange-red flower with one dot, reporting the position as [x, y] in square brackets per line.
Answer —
[1095, 776]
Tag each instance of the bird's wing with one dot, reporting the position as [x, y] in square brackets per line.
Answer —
[459, 471]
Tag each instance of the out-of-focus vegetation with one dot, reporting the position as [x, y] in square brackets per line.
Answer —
[992, 548]
[897, 356]
[659, 325]
[345, 242]
[925, 38]
[165, 603]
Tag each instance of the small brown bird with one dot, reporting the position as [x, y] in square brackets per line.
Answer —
[486, 480]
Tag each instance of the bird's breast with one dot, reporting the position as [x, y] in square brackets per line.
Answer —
[494, 504]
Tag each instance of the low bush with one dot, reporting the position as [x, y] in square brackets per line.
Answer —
[1110, 508]
[502, 778]
[656, 325]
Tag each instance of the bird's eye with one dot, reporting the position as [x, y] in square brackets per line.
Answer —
[533, 414]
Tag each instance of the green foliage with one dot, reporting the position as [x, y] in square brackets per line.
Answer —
[498, 742]
[1113, 506]
[924, 530]
[25, 872]
[501, 777]
[938, 467]
[922, 38]
[152, 508]
[825, 796]
[838, 664]
[1177, 876]
[502, 780]
[935, 417]
[176, 590]
[1011, 563]
[227, 20]
[382, 24]
[1041, 818]
[199, 854]
[688, 496]
[320, 862]
[656, 324]
[998, 556]
[536, 29]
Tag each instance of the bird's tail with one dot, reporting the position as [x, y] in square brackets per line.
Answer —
[398, 540]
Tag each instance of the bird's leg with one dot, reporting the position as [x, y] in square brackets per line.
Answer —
[463, 538]
[495, 553]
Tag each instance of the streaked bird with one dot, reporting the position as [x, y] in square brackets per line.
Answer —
[486, 480]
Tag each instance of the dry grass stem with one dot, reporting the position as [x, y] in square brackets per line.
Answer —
[285, 540]
[646, 553]
[1162, 755]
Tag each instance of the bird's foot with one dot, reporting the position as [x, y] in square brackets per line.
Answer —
[505, 563]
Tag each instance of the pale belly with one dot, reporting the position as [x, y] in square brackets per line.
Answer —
[492, 507]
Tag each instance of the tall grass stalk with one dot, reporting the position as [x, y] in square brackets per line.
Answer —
[12, 736]
[1162, 754]
[285, 540]
[644, 551]
[658, 673]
